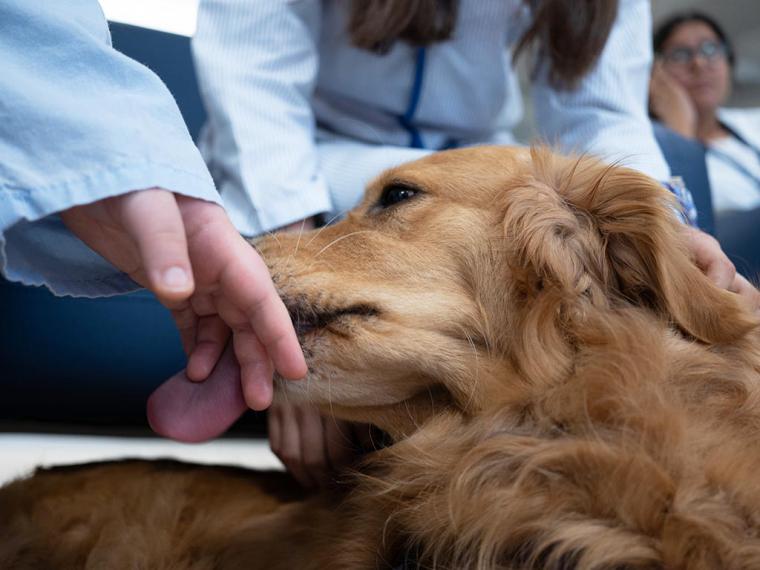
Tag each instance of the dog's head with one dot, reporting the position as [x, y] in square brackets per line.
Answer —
[467, 270]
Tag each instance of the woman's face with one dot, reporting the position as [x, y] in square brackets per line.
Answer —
[696, 58]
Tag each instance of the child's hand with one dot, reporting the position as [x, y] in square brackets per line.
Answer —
[218, 288]
[312, 447]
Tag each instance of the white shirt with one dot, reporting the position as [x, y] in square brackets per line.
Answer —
[300, 120]
[733, 165]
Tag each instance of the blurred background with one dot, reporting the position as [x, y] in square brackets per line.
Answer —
[740, 18]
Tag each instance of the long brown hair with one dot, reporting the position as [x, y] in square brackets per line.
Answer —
[569, 36]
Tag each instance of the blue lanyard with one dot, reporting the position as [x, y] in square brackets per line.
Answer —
[406, 119]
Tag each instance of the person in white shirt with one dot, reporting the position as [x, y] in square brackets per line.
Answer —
[301, 117]
[310, 99]
[690, 83]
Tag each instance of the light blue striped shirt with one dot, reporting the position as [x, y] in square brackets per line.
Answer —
[300, 119]
[78, 122]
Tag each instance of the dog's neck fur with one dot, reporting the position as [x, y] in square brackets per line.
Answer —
[557, 431]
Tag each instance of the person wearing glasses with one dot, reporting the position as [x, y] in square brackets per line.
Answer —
[691, 82]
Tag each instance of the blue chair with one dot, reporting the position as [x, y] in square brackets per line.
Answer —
[738, 232]
[686, 158]
[92, 361]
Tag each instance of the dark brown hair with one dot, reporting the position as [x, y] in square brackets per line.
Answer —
[666, 29]
[569, 36]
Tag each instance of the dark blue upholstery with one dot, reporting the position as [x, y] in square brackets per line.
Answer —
[83, 360]
[686, 158]
[739, 234]
[86, 363]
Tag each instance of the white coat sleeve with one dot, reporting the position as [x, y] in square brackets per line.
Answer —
[257, 64]
[606, 115]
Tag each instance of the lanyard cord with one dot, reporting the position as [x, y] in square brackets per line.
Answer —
[406, 119]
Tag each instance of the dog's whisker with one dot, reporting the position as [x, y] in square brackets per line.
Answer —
[327, 224]
[294, 251]
[312, 261]
[329, 397]
[273, 235]
[288, 259]
[300, 235]
[336, 216]
[346, 436]
[316, 235]
[341, 238]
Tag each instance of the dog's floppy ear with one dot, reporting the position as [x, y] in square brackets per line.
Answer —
[552, 274]
[645, 250]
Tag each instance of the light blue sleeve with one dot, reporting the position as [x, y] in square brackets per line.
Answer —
[78, 122]
[257, 63]
[607, 114]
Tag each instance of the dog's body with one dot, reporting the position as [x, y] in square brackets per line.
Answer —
[563, 387]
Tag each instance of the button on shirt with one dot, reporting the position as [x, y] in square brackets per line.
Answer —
[78, 122]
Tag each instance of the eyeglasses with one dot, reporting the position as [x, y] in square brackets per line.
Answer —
[710, 50]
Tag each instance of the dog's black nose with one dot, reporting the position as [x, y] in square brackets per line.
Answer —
[307, 317]
[303, 315]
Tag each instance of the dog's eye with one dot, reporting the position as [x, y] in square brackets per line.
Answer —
[397, 193]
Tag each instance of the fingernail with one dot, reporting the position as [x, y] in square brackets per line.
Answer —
[176, 278]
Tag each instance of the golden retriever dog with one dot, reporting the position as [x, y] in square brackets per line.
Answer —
[560, 384]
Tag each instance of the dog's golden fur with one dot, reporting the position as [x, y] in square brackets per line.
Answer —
[562, 386]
